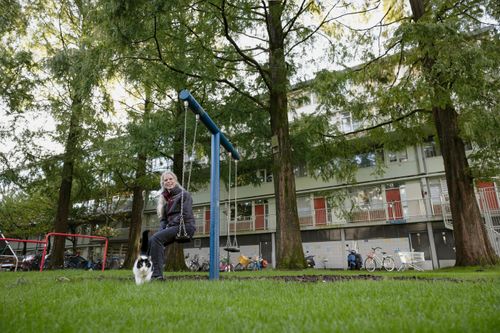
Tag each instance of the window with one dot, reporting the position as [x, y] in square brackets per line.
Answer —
[261, 174]
[367, 197]
[400, 156]
[369, 159]
[304, 206]
[347, 123]
[264, 175]
[198, 213]
[244, 210]
[431, 148]
[305, 210]
[200, 217]
[269, 177]
[300, 171]
[438, 195]
[436, 192]
[161, 164]
[301, 100]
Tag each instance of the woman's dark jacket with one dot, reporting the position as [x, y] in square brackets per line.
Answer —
[172, 208]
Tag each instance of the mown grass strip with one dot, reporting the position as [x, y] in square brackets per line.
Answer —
[78, 301]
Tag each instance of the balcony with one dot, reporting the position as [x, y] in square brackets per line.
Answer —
[488, 199]
[249, 224]
[395, 212]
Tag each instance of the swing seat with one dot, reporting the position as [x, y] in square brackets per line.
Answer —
[182, 239]
[232, 249]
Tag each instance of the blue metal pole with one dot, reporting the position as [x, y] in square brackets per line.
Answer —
[214, 208]
[218, 138]
[205, 118]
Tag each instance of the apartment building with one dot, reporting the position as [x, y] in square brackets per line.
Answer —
[405, 209]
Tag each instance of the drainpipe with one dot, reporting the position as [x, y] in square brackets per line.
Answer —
[342, 240]
[273, 248]
[430, 234]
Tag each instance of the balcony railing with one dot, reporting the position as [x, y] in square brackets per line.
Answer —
[488, 200]
[244, 224]
[395, 212]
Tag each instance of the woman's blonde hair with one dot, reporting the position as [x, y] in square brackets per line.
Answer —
[161, 199]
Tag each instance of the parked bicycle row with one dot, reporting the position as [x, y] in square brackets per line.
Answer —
[376, 259]
[196, 264]
[31, 262]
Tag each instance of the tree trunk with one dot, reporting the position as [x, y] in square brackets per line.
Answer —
[64, 201]
[134, 232]
[175, 252]
[289, 252]
[471, 241]
[472, 244]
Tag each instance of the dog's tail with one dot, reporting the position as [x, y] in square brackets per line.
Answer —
[145, 242]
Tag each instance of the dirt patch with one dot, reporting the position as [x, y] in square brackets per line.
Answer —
[288, 278]
[285, 278]
[314, 278]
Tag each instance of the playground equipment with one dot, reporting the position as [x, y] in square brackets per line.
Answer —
[45, 243]
[182, 235]
[217, 139]
[232, 245]
[6, 252]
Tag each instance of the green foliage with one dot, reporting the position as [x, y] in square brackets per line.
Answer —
[392, 94]
[16, 64]
[26, 215]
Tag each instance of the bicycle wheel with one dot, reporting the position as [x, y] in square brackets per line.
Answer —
[194, 267]
[370, 264]
[388, 264]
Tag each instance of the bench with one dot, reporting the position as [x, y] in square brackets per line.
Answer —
[413, 260]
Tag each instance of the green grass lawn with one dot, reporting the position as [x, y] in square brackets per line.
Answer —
[451, 300]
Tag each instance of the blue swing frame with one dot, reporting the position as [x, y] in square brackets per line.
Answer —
[218, 139]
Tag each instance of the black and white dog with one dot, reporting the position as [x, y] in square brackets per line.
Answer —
[143, 266]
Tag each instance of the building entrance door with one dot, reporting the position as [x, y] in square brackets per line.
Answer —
[320, 211]
[394, 209]
[260, 211]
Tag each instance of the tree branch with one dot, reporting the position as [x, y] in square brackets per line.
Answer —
[196, 76]
[376, 126]
[248, 60]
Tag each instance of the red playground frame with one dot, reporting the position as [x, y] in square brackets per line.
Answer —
[46, 241]
[74, 235]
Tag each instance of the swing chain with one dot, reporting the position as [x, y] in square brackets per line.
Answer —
[235, 201]
[182, 233]
[232, 246]
[228, 205]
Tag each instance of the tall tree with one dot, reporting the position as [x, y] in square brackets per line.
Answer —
[268, 41]
[145, 29]
[138, 191]
[472, 243]
[437, 68]
[75, 62]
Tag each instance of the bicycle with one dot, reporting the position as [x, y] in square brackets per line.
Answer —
[373, 259]
[249, 263]
[193, 264]
[225, 265]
